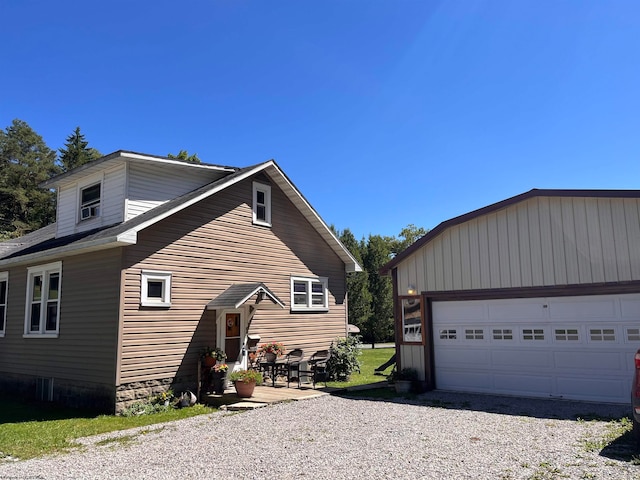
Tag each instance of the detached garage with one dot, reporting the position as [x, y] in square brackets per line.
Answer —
[537, 295]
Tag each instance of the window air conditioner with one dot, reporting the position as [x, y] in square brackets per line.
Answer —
[85, 213]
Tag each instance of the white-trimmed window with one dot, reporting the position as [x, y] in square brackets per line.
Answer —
[42, 313]
[4, 291]
[261, 204]
[90, 201]
[309, 294]
[155, 289]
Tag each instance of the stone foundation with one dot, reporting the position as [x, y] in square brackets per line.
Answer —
[129, 393]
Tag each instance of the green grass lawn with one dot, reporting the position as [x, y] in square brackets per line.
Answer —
[370, 359]
[30, 430]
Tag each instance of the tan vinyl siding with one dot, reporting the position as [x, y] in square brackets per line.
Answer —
[541, 241]
[207, 248]
[85, 348]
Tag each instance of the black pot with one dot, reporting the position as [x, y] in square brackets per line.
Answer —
[218, 380]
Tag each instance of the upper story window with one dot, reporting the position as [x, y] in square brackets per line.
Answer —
[42, 315]
[261, 204]
[4, 287]
[155, 289]
[309, 294]
[90, 201]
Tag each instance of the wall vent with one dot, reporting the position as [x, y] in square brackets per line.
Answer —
[44, 389]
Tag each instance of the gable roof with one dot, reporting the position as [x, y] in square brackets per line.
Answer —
[239, 293]
[385, 269]
[120, 155]
[42, 244]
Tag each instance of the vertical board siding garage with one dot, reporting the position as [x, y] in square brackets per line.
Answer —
[561, 347]
[537, 295]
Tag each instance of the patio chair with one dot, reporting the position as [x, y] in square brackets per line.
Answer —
[318, 366]
[289, 366]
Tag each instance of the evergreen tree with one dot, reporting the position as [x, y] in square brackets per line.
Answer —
[359, 299]
[76, 152]
[184, 155]
[25, 162]
[379, 325]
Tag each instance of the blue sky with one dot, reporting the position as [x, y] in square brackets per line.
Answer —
[383, 113]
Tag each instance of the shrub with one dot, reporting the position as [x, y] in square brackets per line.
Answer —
[344, 357]
[409, 374]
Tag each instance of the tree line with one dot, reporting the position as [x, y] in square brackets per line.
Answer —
[370, 301]
[26, 161]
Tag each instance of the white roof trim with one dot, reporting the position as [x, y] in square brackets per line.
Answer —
[129, 237]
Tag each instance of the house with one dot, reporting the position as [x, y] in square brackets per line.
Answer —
[150, 261]
[537, 295]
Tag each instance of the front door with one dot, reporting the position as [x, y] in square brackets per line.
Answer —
[232, 338]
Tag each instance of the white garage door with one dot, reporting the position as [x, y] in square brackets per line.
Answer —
[562, 347]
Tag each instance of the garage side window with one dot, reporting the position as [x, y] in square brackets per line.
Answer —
[412, 320]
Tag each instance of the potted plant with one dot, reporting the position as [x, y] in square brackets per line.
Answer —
[213, 355]
[245, 381]
[272, 350]
[218, 377]
[404, 379]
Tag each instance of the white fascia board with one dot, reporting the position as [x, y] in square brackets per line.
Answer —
[169, 161]
[122, 157]
[351, 264]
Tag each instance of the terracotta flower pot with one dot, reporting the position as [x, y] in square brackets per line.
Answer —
[245, 390]
[209, 361]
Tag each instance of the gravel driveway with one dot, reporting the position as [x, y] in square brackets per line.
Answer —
[439, 435]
